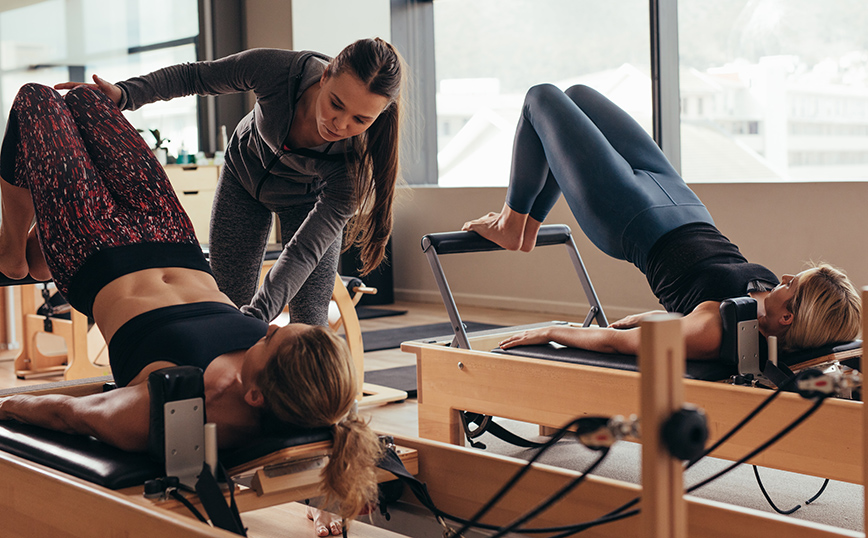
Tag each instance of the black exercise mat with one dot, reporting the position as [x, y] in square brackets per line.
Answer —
[400, 378]
[392, 338]
[366, 312]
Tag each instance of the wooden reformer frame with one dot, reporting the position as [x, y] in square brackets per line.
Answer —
[550, 393]
[460, 480]
[84, 343]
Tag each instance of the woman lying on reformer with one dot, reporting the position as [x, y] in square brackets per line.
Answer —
[633, 205]
[120, 248]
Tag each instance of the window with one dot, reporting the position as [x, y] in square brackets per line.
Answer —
[783, 87]
[489, 52]
[53, 41]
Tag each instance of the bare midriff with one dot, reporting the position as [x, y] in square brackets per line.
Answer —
[137, 293]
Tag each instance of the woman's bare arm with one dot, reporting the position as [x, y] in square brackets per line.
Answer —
[634, 320]
[702, 330]
[119, 417]
[604, 340]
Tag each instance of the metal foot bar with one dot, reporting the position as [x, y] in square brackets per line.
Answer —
[465, 242]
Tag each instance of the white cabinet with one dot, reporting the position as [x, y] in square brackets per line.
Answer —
[195, 187]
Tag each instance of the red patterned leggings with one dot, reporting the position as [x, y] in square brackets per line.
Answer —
[95, 183]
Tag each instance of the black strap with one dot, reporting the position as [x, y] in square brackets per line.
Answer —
[779, 374]
[488, 425]
[223, 516]
[392, 463]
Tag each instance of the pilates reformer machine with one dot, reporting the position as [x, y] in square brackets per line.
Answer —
[546, 385]
[459, 480]
[110, 492]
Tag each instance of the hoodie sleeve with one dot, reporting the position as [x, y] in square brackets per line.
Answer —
[260, 70]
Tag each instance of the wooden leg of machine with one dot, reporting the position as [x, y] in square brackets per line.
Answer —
[83, 346]
[369, 394]
[87, 346]
[31, 361]
[661, 363]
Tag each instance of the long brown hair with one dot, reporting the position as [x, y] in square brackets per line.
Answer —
[374, 159]
[311, 382]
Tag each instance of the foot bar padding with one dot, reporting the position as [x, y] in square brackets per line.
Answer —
[461, 242]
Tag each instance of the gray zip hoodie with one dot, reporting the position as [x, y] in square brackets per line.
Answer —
[277, 79]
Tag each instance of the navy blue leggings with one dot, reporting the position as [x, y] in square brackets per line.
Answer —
[618, 183]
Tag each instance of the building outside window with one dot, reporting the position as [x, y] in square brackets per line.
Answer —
[794, 72]
[771, 90]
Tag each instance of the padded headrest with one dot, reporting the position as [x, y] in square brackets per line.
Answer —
[848, 353]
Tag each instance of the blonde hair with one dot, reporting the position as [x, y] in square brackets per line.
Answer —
[826, 309]
[374, 161]
[311, 382]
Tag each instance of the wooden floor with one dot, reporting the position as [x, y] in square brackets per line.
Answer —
[400, 418]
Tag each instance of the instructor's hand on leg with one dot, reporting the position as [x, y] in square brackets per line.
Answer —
[111, 91]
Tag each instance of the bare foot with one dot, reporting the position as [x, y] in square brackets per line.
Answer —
[324, 523]
[13, 261]
[531, 229]
[505, 228]
[35, 259]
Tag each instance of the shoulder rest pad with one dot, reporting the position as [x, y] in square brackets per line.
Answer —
[733, 312]
[88, 459]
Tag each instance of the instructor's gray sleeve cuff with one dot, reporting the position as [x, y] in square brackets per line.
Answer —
[254, 312]
[122, 104]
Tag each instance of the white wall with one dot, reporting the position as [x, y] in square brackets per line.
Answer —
[328, 26]
[781, 226]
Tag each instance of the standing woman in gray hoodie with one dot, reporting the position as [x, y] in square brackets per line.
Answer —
[319, 150]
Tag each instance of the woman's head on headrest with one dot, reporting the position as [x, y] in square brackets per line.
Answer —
[310, 379]
[826, 309]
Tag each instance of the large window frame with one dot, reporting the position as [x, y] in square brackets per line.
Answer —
[413, 35]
